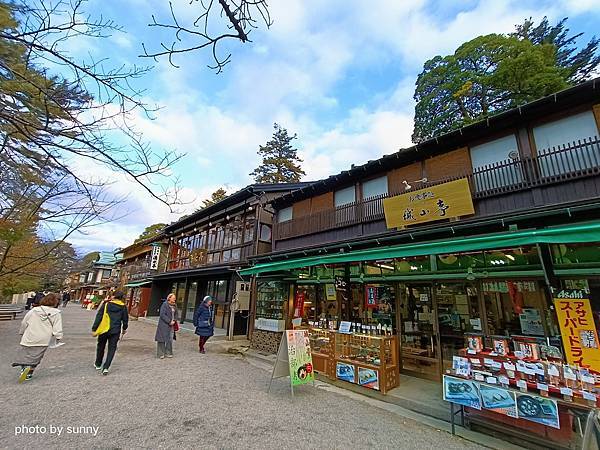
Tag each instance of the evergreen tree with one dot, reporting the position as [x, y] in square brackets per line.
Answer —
[150, 231]
[579, 63]
[215, 197]
[280, 161]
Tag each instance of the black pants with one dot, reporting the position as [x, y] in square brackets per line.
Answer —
[112, 340]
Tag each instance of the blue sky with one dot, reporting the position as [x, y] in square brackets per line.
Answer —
[338, 73]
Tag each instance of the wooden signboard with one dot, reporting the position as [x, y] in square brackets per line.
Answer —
[444, 201]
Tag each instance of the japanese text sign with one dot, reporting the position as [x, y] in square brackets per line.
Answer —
[299, 357]
[155, 257]
[439, 202]
[578, 330]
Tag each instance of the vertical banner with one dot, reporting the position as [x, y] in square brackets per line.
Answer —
[371, 296]
[578, 330]
[299, 304]
[299, 357]
[155, 257]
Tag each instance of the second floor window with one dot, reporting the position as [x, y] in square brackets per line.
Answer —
[345, 196]
[285, 214]
[375, 187]
[495, 163]
[558, 148]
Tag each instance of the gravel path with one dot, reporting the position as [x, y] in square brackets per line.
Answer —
[191, 401]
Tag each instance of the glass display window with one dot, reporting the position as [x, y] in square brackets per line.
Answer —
[191, 301]
[271, 299]
[580, 254]
[458, 311]
[517, 307]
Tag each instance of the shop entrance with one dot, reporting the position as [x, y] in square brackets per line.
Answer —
[420, 355]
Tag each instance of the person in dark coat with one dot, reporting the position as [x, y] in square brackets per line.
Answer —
[204, 322]
[167, 320]
[66, 298]
[119, 321]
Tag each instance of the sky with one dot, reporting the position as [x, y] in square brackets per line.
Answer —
[340, 74]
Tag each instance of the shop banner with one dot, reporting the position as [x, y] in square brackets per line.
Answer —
[496, 399]
[371, 296]
[462, 392]
[578, 330]
[299, 304]
[444, 201]
[538, 409]
[155, 257]
[330, 292]
[299, 357]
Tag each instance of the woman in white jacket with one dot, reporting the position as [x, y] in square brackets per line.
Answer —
[39, 326]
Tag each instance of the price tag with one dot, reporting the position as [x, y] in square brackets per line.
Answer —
[503, 379]
[522, 384]
[493, 354]
[521, 367]
[509, 366]
[542, 387]
[566, 391]
[491, 380]
[479, 377]
[488, 362]
[589, 396]
[471, 351]
[587, 379]
[475, 361]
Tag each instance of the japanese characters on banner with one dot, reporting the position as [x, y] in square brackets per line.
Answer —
[579, 334]
[371, 296]
[299, 357]
[155, 257]
[299, 304]
[444, 201]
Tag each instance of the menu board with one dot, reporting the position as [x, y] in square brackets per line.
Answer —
[299, 357]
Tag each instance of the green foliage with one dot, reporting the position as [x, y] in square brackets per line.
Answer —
[150, 232]
[486, 75]
[215, 197]
[280, 161]
[89, 259]
[579, 62]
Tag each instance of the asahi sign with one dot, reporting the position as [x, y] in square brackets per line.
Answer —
[155, 257]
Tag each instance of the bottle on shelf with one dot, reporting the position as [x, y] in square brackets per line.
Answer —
[379, 328]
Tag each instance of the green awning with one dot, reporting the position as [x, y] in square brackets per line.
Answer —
[137, 284]
[566, 234]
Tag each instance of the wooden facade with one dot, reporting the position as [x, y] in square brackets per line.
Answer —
[533, 178]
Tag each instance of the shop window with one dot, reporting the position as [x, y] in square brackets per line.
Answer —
[374, 188]
[580, 254]
[550, 137]
[460, 261]
[345, 196]
[413, 264]
[191, 301]
[221, 291]
[494, 163]
[271, 298]
[517, 307]
[285, 214]
[458, 312]
[226, 255]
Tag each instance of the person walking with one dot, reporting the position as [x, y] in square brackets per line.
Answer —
[39, 327]
[204, 322]
[167, 326]
[66, 298]
[119, 321]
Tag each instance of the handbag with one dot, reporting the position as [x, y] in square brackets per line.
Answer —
[104, 323]
[176, 326]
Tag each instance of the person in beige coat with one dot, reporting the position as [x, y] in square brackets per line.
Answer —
[39, 327]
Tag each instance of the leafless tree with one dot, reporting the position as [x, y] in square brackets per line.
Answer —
[212, 21]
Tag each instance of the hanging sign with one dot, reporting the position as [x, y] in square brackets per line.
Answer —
[340, 283]
[444, 201]
[155, 256]
[578, 330]
[294, 359]
[299, 304]
[371, 296]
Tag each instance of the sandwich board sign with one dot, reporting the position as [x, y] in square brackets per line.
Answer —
[294, 359]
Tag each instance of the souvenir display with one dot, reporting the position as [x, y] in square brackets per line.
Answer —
[500, 346]
[474, 343]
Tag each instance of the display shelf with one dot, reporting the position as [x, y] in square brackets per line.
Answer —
[369, 361]
[322, 351]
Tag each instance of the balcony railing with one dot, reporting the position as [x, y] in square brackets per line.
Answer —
[555, 165]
